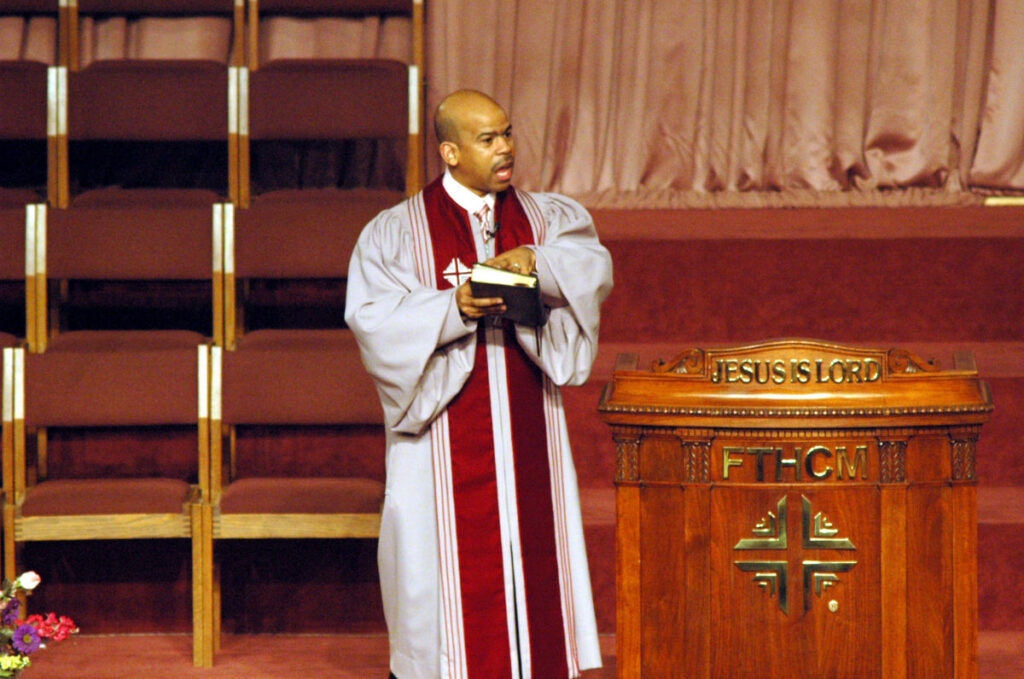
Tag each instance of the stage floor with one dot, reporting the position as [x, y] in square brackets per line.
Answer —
[168, 656]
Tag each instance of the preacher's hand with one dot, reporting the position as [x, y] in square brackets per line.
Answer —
[518, 260]
[475, 308]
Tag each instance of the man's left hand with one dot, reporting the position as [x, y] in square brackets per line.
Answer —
[518, 260]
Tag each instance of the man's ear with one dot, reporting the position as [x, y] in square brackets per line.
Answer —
[449, 153]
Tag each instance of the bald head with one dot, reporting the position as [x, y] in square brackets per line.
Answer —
[475, 140]
[455, 109]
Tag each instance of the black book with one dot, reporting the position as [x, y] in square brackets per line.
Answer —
[520, 292]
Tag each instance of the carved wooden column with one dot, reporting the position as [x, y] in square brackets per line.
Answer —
[627, 571]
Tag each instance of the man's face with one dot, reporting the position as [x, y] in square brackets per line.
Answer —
[485, 152]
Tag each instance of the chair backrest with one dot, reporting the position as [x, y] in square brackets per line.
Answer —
[149, 100]
[29, 6]
[293, 240]
[312, 378]
[12, 244]
[108, 387]
[145, 124]
[329, 99]
[304, 396]
[138, 243]
[286, 260]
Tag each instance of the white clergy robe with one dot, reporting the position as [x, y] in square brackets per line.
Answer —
[422, 355]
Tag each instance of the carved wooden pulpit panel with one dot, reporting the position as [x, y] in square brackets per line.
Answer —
[796, 509]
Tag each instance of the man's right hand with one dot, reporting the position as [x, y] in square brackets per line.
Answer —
[475, 308]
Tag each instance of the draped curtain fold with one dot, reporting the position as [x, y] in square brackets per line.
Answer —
[647, 102]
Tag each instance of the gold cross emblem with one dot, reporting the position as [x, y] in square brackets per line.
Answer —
[817, 532]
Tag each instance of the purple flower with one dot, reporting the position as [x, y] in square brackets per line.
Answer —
[25, 639]
[9, 614]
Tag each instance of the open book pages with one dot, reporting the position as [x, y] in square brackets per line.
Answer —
[489, 274]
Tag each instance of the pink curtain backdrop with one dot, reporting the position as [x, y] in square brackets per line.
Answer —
[154, 38]
[664, 103]
[677, 103]
[28, 38]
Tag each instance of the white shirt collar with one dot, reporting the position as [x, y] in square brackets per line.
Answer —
[463, 196]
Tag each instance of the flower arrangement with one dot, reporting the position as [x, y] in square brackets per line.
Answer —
[20, 638]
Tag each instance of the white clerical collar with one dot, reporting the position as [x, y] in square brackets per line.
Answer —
[463, 196]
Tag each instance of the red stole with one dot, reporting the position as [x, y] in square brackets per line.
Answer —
[481, 578]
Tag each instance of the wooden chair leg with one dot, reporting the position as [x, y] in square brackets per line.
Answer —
[202, 576]
[10, 547]
[216, 605]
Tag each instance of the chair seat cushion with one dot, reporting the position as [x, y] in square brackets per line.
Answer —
[298, 377]
[62, 497]
[258, 495]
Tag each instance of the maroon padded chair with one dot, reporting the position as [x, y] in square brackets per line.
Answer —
[304, 433]
[114, 446]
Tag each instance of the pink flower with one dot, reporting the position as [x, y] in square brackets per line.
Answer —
[52, 627]
[28, 580]
[65, 627]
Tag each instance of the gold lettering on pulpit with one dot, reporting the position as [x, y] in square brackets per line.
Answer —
[787, 463]
[846, 468]
[728, 461]
[780, 464]
[815, 470]
[796, 371]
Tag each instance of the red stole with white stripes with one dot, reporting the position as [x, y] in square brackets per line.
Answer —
[477, 616]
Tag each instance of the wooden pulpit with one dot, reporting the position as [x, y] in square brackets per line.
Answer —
[796, 509]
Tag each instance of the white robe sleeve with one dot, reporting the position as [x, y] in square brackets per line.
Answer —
[575, 273]
[412, 338]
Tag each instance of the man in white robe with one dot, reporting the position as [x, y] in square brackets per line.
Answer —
[481, 555]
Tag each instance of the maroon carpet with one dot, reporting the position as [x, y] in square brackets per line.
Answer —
[328, 657]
